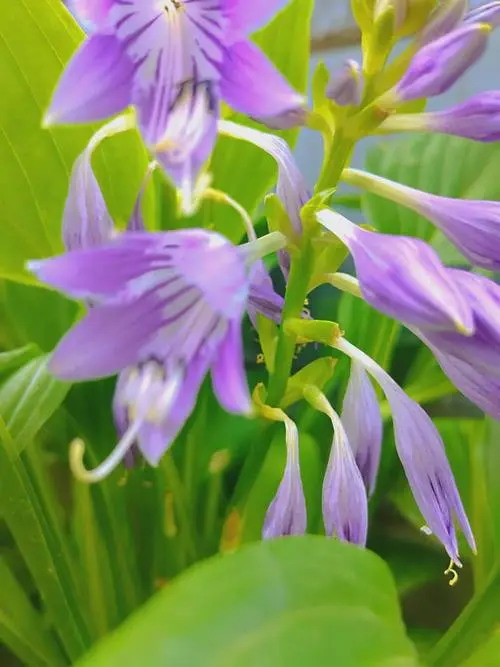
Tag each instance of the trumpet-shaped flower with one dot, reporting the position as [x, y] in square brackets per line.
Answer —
[287, 513]
[167, 309]
[402, 277]
[173, 61]
[422, 454]
[362, 421]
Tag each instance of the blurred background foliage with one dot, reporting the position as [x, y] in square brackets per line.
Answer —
[76, 561]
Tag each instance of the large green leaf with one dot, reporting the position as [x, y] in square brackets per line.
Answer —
[36, 39]
[242, 170]
[283, 603]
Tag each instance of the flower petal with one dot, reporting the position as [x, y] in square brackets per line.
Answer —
[107, 340]
[262, 297]
[362, 421]
[189, 135]
[96, 84]
[228, 372]
[86, 220]
[246, 16]
[92, 11]
[251, 84]
[287, 513]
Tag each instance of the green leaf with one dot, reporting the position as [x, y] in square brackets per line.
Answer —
[21, 627]
[487, 655]
[36, 39]
[255, 169]
[28, 398]
[14, 359]
[37, 536]
[284, 603]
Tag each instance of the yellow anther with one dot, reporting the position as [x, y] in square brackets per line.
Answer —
[453, 572]
[260, 358]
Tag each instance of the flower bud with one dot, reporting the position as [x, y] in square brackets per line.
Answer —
[489, 13]
[443, 20]
[439, 64]
[345, 86]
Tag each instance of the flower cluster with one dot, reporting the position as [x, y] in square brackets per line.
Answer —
[165, 308]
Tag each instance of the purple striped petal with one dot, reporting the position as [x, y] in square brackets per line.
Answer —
[228, 372]
[246, 17]
[262, 297]
[403, 277]
[190, 134]
[251, 84]
[362, 421]
[96, 84]
[86, 221]
[107, 340]
[171, 47]
[287, 513]
[422, 454]
[345, 505]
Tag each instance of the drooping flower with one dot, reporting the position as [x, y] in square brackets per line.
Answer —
[472, 225]
[402, 277]
[473, 362]
[167, 309]
[423, 456]
[345, 86]
[345, 505]
[287, 513]
[173, 61]
[262, 297]
[362, 421]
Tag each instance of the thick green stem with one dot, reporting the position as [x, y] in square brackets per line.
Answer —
[296, 293]
[335, 161]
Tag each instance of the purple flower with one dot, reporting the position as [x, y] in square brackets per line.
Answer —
[439, 64]
[363, 424]
[345, 86]
[422, 454]
[345, 506]
[477, 118]
[262, 297]
[472, 225]
[86, 221]
[488, 13]
[173, 61]
[402, 277]
[287, 513]
[447, 16]
[167, 310]
[473, 362]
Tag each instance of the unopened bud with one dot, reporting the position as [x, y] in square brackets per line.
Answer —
[345, 85]
[489, 13]
[443, 20]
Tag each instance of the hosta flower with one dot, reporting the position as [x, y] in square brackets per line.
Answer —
[402, 277]
[346, 85]
[173, 60]
[167, 309]
[362, 422]
[287, 513]
[422, 454]
[473, 363]
[439, 64]
[345, 505]
[447, 15]
[472, 225]
[487, 13]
